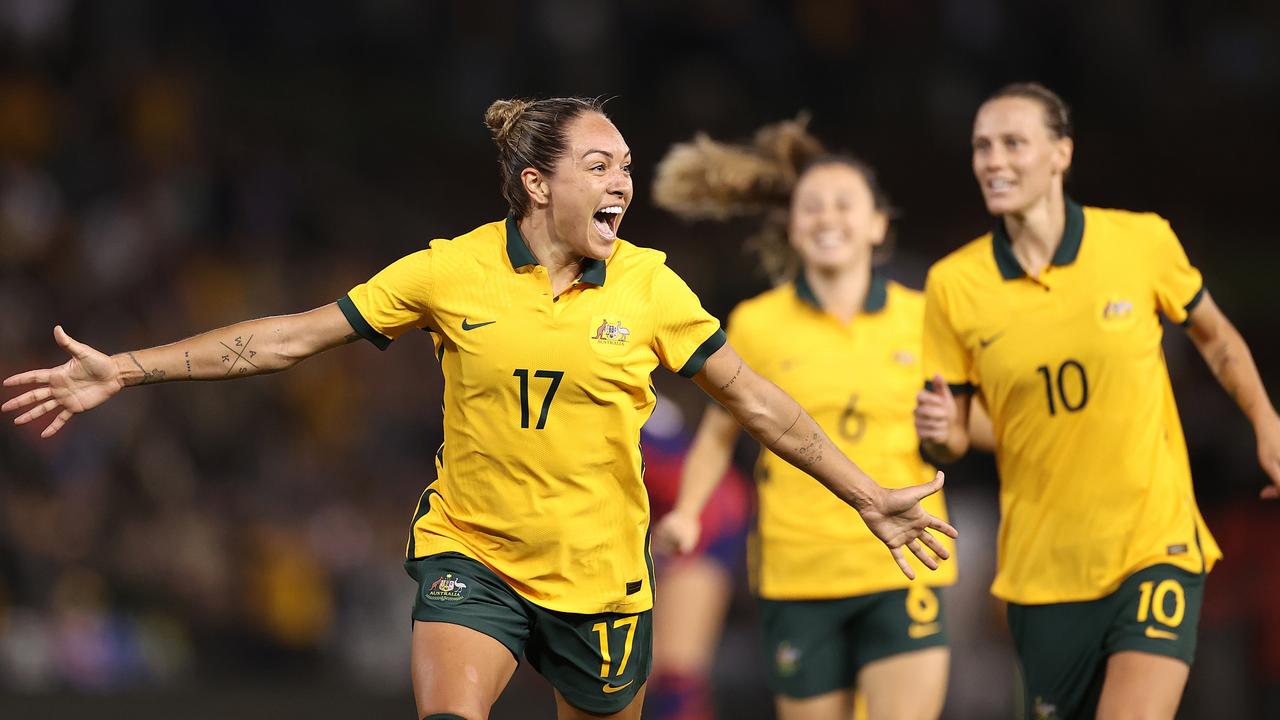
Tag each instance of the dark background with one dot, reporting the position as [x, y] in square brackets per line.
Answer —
[234, 550]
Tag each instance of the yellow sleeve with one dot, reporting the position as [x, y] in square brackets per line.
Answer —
[1178, 284]
[944, 353]
[685, 334]
[391, 302]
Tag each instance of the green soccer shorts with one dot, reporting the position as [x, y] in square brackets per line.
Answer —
[598, 662]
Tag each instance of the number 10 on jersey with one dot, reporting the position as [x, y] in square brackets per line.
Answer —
[555, 376]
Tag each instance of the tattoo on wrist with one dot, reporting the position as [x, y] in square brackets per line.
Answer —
[239, 351]
[733, 379]
[155, 375]
[187, 356]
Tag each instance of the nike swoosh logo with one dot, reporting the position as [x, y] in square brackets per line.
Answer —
[611, 689]
[472, 326]
[1160, 634]
[984, 342]
[916, 631]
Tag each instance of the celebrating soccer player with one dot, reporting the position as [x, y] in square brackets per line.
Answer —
[1053, 319]
[532, 537]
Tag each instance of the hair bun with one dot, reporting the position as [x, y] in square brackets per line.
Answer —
[502, 115]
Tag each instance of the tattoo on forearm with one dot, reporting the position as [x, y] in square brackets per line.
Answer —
[811, 452]
[733, 379]
[187, 356]
[239, 352]
[155, 375]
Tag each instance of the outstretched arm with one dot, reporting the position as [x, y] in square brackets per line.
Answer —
[1232, 364]
[704, 468]
[253, 347]
[780, 424]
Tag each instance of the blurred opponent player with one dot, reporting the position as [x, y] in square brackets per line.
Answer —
[694, 589]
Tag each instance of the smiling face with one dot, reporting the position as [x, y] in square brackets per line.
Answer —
[835, 223]
[590, 187]
[1017, 159]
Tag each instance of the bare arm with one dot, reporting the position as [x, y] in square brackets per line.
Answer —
[982, 434]
[943, 423]
[704, 469]
[252, 347]
[780, 424]
[1232, 364]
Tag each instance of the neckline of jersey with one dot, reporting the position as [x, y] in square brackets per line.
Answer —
[877, 292]
[519, 254]
[1068, 247]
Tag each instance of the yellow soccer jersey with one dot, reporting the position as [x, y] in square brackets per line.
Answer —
[540, 475]
[1094, 478]
[859, 382]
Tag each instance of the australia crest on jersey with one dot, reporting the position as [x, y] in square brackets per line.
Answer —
[447, 587]
[611, 333]
[1117, 309]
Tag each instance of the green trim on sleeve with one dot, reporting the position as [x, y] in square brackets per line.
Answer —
[360, 325]
[704, 351]
[1186, 322]
[956, 388]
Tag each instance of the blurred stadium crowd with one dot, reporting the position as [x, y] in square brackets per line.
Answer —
[168, 168]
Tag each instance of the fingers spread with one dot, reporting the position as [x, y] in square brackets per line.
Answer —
[935, 545]
[57, 423]
[28, 378]
[920, 492]
[943, 527]
[35, 412]
[925, 557]
[900, 558]
[26, 399]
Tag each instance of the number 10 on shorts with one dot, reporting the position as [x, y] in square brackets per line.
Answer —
[602, 630]
[1152, 602]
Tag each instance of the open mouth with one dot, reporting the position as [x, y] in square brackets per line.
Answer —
[606, 221]
[999, 185]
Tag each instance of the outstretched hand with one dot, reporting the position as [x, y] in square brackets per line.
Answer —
[676, 534]
[899, 521]
[82, 383]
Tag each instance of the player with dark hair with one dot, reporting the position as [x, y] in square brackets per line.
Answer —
[533, 536]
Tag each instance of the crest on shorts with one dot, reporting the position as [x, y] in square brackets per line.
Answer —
[447, 587]
[1045, 710]
[611, 333]
[787, 658]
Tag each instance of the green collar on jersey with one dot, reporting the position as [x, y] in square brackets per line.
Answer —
[877, 292]
[1068, 247]
[520, 255]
